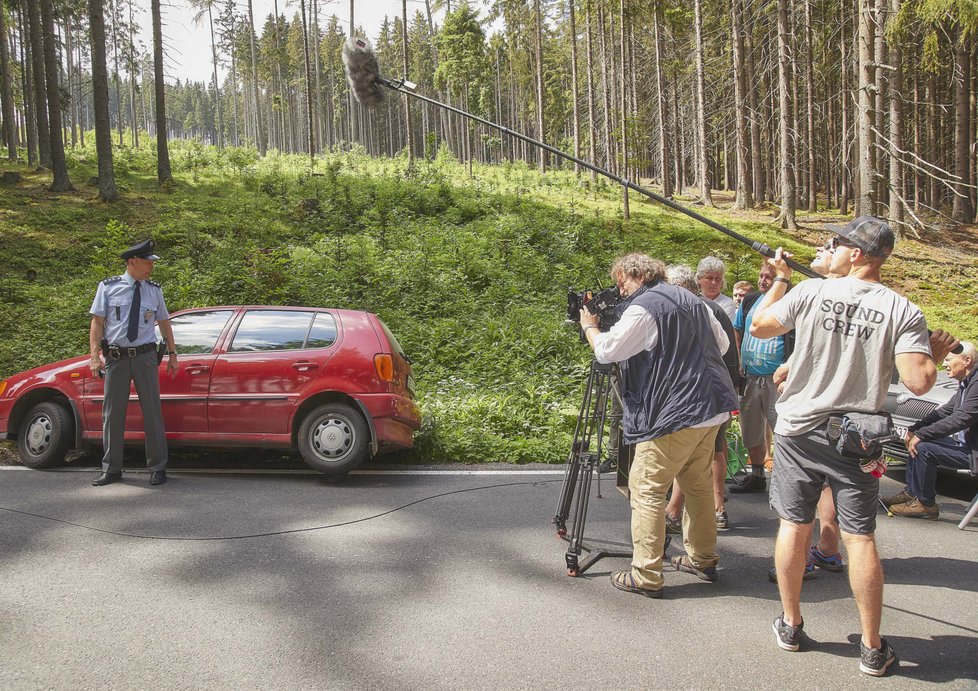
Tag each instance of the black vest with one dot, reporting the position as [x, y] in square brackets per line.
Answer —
[680, 383]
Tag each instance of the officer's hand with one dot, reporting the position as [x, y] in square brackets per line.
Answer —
[95, 364]
[171, 365]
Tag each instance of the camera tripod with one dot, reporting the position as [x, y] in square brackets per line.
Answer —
[597, 445]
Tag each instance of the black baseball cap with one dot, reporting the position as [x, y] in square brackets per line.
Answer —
[870, 234]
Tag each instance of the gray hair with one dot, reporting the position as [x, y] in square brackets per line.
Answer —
[640, 266]
[709, 265]
[682, 276]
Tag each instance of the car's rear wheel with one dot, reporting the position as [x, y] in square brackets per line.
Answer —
[45, 435]
[333, 439]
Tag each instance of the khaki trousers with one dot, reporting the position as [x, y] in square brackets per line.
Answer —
[686, 455]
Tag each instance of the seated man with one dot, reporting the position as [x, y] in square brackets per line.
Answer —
[947, 437]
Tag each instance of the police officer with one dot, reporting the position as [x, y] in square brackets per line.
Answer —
[125, 310]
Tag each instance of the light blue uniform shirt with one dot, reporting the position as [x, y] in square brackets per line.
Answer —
[113, 300]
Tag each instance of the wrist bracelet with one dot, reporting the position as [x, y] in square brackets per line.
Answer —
[781, 279]
[171, 352]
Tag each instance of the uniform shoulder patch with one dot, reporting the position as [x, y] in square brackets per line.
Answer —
[154, 283]
[112, 279]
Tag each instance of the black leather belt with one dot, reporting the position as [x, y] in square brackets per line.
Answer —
[116, 352]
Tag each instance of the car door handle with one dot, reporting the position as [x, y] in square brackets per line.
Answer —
[303, 366]
[197, 369]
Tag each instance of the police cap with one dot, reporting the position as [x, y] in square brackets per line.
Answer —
[143, 250]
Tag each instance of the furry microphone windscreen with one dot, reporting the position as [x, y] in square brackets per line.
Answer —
[362, 71]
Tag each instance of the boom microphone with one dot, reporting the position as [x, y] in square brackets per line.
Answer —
[362, 72]
[363, 75]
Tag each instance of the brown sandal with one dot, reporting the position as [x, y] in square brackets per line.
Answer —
[624, 580]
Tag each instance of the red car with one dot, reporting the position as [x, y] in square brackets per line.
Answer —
[332, 384]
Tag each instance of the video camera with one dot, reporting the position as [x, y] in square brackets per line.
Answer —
[602, 304]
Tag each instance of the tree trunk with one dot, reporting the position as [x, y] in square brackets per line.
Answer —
[866, 202]
[576, 106]
[897, 193]
[757, 161]
[259, 126]
[844, 177]
[219, 134]
[744, 197]
[961, 209]
[6, 93]
[27, 91]
[407, 99]
[592, 125]
[40, 92]
[132, 83]
[538, 63]
[100, 94]
[810, 106]
[623, 109]
[664, 152]
[702, 162]
[163, 173]
[59, 167]
[787, 216]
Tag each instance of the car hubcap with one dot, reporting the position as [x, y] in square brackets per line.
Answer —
[333, 438]
[39, 435]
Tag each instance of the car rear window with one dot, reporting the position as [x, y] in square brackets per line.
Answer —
[323, 332]
[262, 330]
[395, 346]
[197, 333]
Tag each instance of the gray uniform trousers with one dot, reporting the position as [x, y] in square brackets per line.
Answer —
[143, 370]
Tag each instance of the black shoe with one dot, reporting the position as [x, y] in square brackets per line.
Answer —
[106, 479]
[158, 477]
[875, 661]
[788, 637]
[751, 483]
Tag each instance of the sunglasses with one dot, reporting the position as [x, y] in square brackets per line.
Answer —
[838, 241]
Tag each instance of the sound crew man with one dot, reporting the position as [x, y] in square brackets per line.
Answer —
[850, 333]
[676, 393]
[124, 313]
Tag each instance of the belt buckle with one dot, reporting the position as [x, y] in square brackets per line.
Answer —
[131, 352]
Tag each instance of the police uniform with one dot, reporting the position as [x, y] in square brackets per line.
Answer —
[131, 357]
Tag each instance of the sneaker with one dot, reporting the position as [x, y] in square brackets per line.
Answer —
[788, 637]
[673, 526]
[722, 522]
[875, 661]
[705, 573]
[751, 483]
[829, 562]
[914, 509]
[772, 574]
[901, 498]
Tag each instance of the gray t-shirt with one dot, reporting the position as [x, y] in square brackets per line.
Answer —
[847, 332]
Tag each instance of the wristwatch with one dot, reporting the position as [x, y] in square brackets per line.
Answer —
[171, 352]
[781, 279]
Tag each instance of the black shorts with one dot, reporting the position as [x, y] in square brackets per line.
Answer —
[805, 463]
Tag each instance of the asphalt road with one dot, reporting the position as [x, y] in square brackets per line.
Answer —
[427, 581]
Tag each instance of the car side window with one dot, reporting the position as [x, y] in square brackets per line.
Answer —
[197, 333]
[323, 332]
[264, 330]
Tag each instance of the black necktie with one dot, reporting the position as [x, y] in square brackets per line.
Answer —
[134, 309]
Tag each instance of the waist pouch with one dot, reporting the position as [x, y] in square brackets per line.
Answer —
[859, 435]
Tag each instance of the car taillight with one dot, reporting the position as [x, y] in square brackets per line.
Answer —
[384, 363]
[3, 386]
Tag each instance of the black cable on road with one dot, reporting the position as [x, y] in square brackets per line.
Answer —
[215, 538]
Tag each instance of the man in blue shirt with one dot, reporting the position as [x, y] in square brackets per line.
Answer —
[759, 359]
[125, 312]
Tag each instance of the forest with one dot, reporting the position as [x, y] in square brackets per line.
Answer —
[865, 106]
[271, 185]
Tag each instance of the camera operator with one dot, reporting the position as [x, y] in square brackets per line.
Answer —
[676, 393]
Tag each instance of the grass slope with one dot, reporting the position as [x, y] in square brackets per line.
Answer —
[471, 274]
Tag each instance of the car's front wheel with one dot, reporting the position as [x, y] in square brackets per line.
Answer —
[333, 439]
[45, 435]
